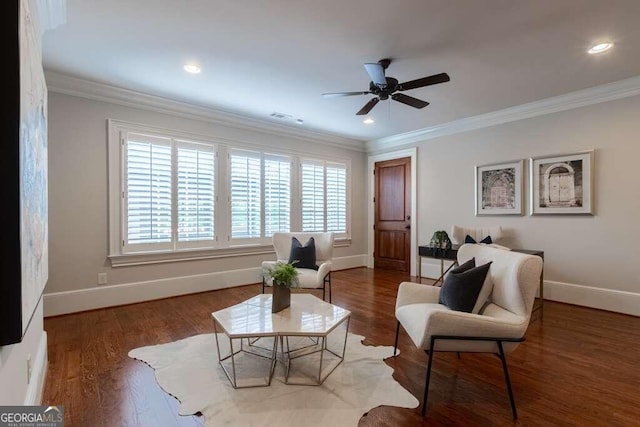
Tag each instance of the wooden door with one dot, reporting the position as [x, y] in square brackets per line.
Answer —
[392, 217]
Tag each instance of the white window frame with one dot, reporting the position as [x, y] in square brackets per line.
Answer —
[118, 245]
[263, 239]
[223, 246]
[324, 163]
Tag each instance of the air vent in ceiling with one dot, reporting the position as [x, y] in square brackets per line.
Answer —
[281, 116]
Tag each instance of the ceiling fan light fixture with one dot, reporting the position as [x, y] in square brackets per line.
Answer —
[192, 68]
[368, 121]
[600, 48]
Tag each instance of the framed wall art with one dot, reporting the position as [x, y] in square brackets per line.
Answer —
[562, 184]
[499, 188]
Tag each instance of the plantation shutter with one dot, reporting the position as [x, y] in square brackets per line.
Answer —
[312, 184]
[196, 192]
[245, 190]
[277, 194]
[148, 192]
[336, 198]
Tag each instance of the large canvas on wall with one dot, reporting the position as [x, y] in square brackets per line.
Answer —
[34, 236]
[23, 170]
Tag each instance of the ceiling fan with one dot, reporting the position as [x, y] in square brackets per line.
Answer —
[384, 87]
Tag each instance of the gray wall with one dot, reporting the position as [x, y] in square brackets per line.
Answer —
[78, 211]
[588, 251]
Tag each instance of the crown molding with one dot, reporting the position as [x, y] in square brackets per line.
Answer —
[68, 85]
[581, 98]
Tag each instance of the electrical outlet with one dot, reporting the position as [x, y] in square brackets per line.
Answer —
[102, 278]
[28, 368]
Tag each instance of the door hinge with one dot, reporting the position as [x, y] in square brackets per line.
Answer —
[374, 226]
[374, 200]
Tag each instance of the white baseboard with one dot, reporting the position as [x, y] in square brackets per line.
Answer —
[38, 374]
[570, 293]
[346, 262]
[431, 268]
[57, 303]
[587, 296]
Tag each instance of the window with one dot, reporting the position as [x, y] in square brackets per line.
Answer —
[277, 194]
[246, 200]
[260, 194]
[196, 193]
[336, 198]
[148, 192]
[173, 193]
[324, 196]
[156, 216]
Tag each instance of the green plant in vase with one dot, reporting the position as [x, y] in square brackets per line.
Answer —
[285, 277]
[440, 242]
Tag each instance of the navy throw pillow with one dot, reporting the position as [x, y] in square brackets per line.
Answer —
[464, 267]
[460, 289]
[303, 256]
[469, 239]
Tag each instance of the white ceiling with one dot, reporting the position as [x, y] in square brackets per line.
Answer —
[259, 57]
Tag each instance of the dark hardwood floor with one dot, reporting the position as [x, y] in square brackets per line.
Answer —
[578, 366]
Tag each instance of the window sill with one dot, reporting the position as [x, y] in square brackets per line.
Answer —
[161, 257]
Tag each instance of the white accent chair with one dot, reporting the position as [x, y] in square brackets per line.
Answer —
[308, 278]
[458, 233]
[498, 328]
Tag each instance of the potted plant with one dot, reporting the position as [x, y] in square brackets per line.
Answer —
[440, 243]
[285, 277]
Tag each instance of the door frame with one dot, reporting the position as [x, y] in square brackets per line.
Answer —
[412, 153]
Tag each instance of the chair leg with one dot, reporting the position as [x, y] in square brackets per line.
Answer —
[506, 377]
[395, 345]
[263, 284]
[329, 281]
[430, 352]
[323, 287]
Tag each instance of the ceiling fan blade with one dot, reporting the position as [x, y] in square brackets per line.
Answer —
[376, 73]
[425, 81]
[409, 100]
[368, 106]
[337, 94]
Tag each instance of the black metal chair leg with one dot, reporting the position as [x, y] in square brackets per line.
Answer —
[458, 353]
[263, 284]
[329, 276]
[430, 352]
[395, 345]
[323, 286]
[506, 377]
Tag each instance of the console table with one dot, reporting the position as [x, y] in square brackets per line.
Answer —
[452, 255]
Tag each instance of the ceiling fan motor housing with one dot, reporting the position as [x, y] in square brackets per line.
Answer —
[385, 91]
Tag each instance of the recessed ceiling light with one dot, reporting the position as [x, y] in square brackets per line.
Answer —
[600, 47]
[192, 68]
[299, 121]
[368, 121]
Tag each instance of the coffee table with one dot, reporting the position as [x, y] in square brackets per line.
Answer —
[252, 320]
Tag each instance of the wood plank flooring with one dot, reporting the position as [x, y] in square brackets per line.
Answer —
[578, 366]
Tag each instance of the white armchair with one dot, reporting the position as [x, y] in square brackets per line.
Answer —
[458, 233]
[308, 278]
[498, 328]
